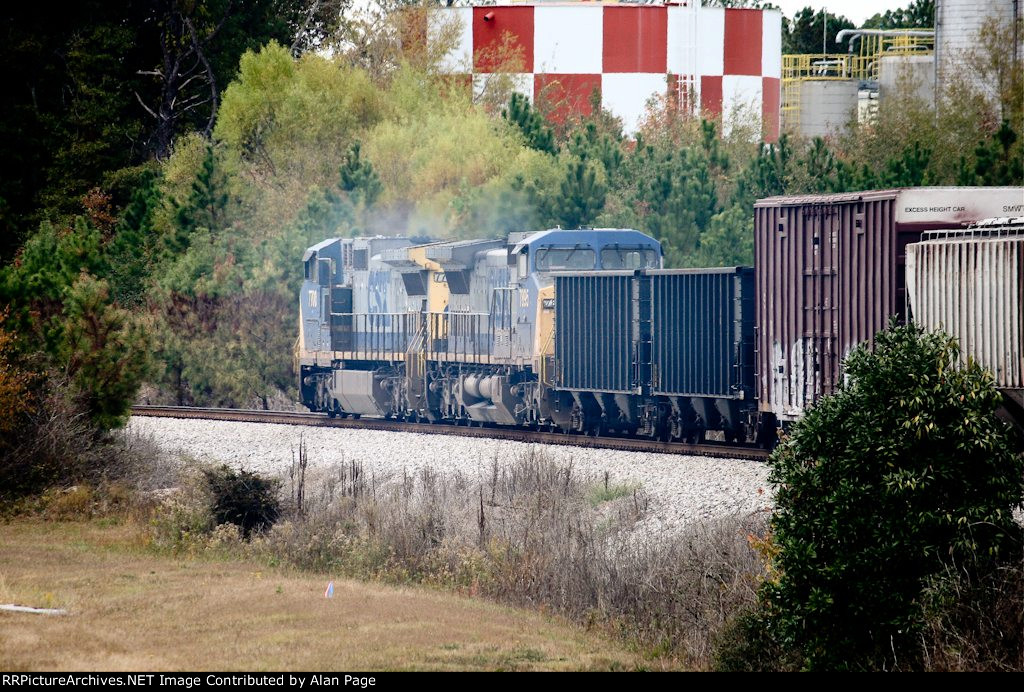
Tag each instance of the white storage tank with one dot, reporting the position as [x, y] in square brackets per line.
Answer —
[957, 23]
[970, 284]
[907, 75]
[827, 106]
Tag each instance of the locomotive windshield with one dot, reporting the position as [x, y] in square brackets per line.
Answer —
[616, 257]
[554, 258]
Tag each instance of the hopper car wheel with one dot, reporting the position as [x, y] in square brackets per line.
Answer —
[331, 413]
[356, 416]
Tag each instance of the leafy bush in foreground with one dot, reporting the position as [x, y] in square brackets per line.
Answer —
[903, 473]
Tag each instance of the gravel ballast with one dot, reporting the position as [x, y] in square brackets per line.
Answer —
[681, 489]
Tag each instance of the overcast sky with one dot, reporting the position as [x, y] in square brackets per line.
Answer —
[856, 12]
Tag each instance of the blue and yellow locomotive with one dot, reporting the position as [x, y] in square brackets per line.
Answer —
[457, 331]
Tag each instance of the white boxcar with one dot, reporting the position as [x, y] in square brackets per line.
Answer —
[970, 284]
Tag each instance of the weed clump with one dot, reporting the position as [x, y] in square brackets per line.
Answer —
[243, 498]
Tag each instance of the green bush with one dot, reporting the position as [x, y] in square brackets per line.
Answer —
[243, 498]
[904, 472]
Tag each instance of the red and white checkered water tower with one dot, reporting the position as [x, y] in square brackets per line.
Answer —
[714, 60]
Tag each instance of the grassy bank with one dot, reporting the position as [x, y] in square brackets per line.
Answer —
[131, 608]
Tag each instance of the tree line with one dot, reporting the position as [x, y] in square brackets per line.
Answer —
[178, 236]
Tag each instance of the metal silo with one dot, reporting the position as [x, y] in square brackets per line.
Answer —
[957, 23]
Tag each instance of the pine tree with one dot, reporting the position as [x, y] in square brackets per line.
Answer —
[104, 352]
[768, 173]
[133, 246]
[998, 160]
[525, 117]
[910, 169]
[206, 206]
[820, 164]
[678, 197]
[358, 179]
[582, 196]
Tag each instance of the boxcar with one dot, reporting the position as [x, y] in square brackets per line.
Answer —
[830, 274]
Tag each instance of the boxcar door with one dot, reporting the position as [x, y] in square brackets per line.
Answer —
[820, 325]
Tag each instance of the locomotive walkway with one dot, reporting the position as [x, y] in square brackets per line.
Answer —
[708, 449]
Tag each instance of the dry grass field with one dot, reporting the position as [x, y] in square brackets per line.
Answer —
[131, 609]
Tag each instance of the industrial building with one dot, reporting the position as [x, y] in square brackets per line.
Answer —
[823, 93]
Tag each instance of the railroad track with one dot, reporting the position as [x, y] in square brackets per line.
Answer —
[517, 434]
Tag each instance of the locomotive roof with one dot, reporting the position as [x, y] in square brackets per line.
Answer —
[316, 248]
[588, 236]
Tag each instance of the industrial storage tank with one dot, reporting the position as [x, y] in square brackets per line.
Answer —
[907, 75]
[830, 274]
[970, 284]
[827, 106]
[957, 26]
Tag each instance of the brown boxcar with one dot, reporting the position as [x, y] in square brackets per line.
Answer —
[830, 274]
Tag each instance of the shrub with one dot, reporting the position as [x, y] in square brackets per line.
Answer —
[243, 498]
[904, 471]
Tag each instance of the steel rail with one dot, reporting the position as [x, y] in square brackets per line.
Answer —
[628, 444]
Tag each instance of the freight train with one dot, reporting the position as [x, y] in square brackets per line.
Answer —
[584, 330]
